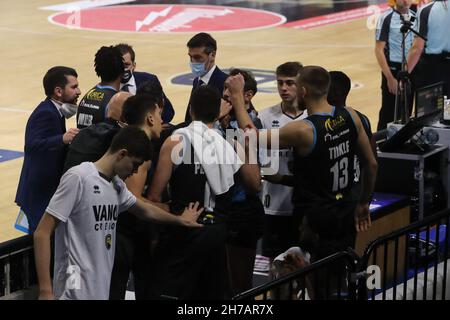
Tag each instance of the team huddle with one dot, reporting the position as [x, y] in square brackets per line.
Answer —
[181, 206]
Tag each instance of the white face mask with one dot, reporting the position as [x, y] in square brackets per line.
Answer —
[68, 110]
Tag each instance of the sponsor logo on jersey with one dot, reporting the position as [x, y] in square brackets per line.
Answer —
[275, 124]
[330, 137]
[104, 212]
[84, 104]
[333, 124]
[96, 189]
[95, 95]
[108, 241]
[105, 216]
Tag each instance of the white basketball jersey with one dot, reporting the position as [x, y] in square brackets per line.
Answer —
[276, 198]
[87, 206]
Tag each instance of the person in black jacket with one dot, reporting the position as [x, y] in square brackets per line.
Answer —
[132, 79]
[202, 49]
[46, 141]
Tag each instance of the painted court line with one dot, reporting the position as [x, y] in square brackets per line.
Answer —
[335, 18]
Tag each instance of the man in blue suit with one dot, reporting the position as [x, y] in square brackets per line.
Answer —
[134, 79]
[46, 139]
[202, 50]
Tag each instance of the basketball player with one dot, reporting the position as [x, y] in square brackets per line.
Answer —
[84, 212]
[324, 147]
[109, 67]
[280, 232]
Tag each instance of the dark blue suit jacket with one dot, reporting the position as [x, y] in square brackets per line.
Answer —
[168, 111]
[43, 162]
[217, 81]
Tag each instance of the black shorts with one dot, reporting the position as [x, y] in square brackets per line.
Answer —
[333, 227]
[190, 263]
[332, 221]
[245, 224]
[280, 233]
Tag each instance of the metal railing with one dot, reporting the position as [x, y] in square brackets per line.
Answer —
[17, 269]
[410, 263]
[331, 278]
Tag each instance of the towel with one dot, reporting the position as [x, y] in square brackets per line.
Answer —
[295, 251]
[219, 160]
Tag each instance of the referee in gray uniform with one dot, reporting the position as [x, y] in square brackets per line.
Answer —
[434, 65]
[388, 51]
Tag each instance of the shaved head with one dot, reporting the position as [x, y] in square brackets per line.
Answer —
[115, 105]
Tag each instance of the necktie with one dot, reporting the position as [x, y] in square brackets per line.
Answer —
[63, 124]
[125, 88]
[197, 83]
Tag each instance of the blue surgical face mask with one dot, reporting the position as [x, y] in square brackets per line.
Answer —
[198, 69]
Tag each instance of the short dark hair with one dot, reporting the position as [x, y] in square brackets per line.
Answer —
[57, 77]
[288, 69]
[316, 80]
[203, 39]
[249, 79]
[137, 107]
[125, 48]
[205, 103]
[108, 63]
[340, 85]
[133, 139]
[152, 88]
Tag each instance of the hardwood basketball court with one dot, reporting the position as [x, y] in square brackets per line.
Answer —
[31, 45]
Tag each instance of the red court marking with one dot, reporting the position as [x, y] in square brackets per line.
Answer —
[334, 18]
[167, 18]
